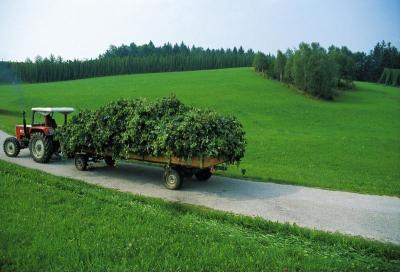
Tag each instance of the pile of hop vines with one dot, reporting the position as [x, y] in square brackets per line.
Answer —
[165, 127]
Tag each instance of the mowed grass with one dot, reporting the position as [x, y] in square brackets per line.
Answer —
[50, 223]
[350, 144]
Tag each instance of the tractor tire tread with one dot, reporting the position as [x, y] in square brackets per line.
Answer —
[17, 146]
[48, 147]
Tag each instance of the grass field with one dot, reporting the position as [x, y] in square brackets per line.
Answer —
[50, 223]
[350, 144]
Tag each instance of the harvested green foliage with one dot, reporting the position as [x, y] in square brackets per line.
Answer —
[165, 127]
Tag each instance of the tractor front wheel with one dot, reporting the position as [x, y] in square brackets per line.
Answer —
[41, 147]
[11, 147]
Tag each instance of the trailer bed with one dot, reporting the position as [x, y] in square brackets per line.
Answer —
[195, 162]
[176, 169]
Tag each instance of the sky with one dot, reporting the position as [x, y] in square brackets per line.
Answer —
[84, 29]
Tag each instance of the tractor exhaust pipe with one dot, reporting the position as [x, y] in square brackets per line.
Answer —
[24, 123]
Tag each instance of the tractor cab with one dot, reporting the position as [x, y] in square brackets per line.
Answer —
[38, 135]
[42, 121]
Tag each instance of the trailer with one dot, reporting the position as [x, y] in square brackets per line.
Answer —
[175, 169]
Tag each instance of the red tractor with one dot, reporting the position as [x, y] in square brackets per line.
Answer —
[38, 136]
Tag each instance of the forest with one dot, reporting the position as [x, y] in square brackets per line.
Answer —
[320, 72]
[125, 59]
[336, 66]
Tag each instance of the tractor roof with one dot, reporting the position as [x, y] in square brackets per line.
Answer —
[64, 110]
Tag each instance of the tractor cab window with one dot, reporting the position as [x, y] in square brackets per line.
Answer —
[44, 120]
[49, 121]
[39, 120]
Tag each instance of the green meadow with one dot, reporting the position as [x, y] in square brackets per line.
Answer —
[350, 144]
[50, 223]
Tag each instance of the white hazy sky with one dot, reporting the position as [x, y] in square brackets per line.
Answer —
[86, 28]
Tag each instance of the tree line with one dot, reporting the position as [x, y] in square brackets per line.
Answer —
[126, 59]
[322, 72]
[329, 69]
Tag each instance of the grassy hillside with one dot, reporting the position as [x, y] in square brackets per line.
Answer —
[57, 224]
[351, 144]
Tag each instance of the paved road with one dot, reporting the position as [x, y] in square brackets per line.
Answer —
[375, 217]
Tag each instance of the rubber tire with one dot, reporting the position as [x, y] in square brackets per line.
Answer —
[81, 162]
[17, 146]
[203, 174]
[48, 147]
[173, 179]
[109, 161]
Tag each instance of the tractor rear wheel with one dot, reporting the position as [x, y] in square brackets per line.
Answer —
[41, 147]
[11, 147]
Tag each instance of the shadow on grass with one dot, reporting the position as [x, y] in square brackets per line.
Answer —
[10, 113]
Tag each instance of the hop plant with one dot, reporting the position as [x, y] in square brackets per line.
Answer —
[165, 127]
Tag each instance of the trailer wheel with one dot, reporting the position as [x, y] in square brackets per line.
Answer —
[11, 147]
[172, 179]
[81, 162]
[109, 161]
[203, 174]
[41, 147]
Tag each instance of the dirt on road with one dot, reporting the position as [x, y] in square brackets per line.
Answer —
[374, 217]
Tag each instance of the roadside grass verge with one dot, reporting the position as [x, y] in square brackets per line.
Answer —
[50, 223]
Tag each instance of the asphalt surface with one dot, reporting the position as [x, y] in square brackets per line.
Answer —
[374, 217]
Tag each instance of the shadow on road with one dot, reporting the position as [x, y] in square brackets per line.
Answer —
[223, 187]
[140, 178]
